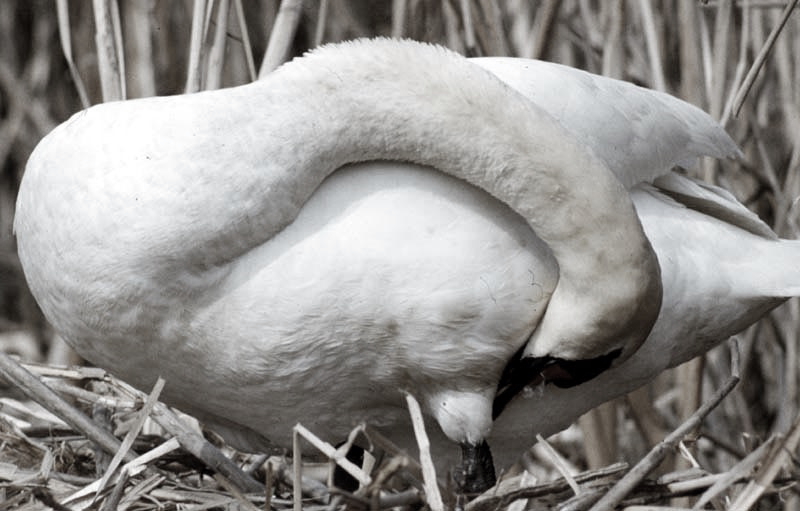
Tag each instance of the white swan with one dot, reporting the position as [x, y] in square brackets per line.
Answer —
[156, 252]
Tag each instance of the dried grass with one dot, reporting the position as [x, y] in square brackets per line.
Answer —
[739, 60]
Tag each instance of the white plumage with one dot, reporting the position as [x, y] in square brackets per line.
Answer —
[154, 235]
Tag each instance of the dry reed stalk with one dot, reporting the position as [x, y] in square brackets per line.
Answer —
[599, 427]
[133, 466]
[433, 496]
[109, 49]
[470, 42]
[399, 10]
[322, 22]
[559, 463]
[543, 28]
[496, 43]
[66, 45]
[280, 38]
[194, 78]
[653, 45]
[140, 48]
[613, 49]
[338, 456]
[248, 50]
[202, 449]
[761, 57]
[216, 51]
[721, 48]
[143, 414]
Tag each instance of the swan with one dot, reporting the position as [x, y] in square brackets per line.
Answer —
[197, 238]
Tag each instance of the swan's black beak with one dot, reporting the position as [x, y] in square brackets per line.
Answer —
[521, 372]
[476, 474]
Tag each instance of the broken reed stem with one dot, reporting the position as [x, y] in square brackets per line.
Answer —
[432, 494]
[333, 454]
[647, 464]
[560, 464]
[142, 415]
[203, 450]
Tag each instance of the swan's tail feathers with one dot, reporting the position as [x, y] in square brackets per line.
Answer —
[713, 201]
[781, 266]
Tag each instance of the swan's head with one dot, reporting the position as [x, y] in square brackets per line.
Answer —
[573, 345]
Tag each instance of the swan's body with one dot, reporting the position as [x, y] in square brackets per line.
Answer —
[158, 199]
[335, 270]
[167, 254]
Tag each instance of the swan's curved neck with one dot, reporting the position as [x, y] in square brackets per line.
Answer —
[229, 169]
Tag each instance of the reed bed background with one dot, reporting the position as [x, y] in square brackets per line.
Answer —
[739, 60]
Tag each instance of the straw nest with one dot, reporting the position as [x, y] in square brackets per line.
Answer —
[693, 438]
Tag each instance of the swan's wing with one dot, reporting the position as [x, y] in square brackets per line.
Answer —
[712, 201]
[640, 133]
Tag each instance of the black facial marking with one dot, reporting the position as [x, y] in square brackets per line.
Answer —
[530, 371]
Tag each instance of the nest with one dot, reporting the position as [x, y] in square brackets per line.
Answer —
[89, 440]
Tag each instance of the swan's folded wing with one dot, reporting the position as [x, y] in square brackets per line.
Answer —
[640, 133]
[713, 201]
